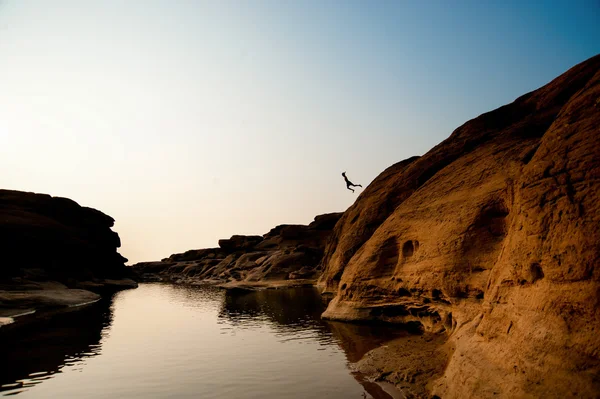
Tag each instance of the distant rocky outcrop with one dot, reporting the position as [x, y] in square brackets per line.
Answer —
[287, 253]
[55, 254]
[492, 238]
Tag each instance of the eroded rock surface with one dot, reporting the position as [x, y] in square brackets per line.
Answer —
[286, 254]
[491, 238]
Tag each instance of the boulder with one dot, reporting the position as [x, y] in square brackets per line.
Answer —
[239, 243]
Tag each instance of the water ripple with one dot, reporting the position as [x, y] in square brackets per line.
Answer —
[174, 341]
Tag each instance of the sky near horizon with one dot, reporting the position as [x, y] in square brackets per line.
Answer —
[190, 121]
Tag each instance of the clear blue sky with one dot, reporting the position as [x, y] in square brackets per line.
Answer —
[190, 121]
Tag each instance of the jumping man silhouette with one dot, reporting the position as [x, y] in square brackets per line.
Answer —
[349, 184]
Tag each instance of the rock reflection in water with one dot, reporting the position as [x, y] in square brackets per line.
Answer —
[175, 341]
[358, 339]
[298, 310]
[190, 297]
[286, 310]
[33, 354]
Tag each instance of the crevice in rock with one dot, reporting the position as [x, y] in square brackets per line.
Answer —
[536, 272]
[337, 277]
[408, 249]
[529, 154]
[436, 295]
[389, 311]
[448, 322]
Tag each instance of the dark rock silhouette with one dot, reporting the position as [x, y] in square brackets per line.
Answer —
[286, 254]
[57, 236]
[56, 254]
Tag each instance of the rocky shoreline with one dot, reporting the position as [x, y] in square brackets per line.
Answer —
[286, 256]
[26, 301]
[57, 257]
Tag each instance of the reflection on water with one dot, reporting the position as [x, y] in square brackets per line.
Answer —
[296, 311]
[175, 341]
[291, 313]
[295, 314]
[30, 356]
[358, 339]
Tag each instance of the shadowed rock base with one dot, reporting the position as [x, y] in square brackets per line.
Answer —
[408, 363]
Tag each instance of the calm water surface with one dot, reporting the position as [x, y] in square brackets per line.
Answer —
[166, 341]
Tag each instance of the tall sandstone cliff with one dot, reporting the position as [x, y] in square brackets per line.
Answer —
[492, 237]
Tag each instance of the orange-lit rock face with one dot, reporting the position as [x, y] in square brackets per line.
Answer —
[438, 246]
[493, 236]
